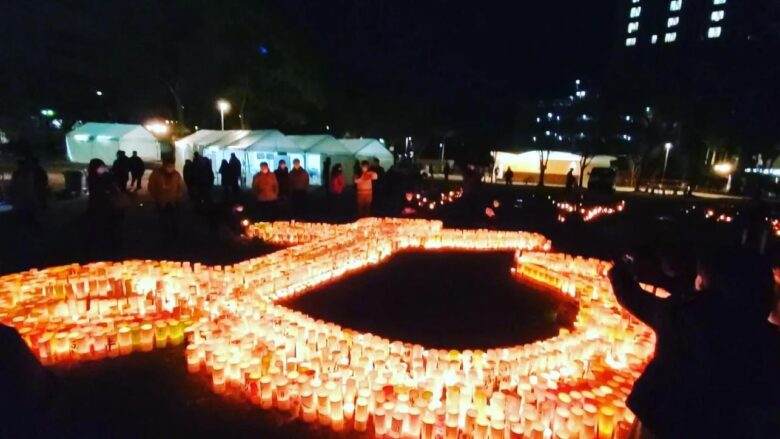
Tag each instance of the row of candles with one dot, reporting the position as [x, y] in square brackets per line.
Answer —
[572, 385]
[430, 203]
[588, 213]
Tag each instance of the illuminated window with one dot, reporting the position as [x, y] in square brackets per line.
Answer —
[670, 37]
[714, 32]
[636, 11]
[654, 39]
[716, 2]
[630, 42]
[717, 15]
[675, 5]
[672, 21]
[633, 27]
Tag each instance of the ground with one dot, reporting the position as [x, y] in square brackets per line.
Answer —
[152, 395]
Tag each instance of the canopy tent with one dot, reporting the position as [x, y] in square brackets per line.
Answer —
[525, 165]
[103, 140]
[318, 147]
[252, 147]
[368, 149]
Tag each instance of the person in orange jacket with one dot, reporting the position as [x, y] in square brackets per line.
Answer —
[166, 188]
[266, 190]
[364, 185]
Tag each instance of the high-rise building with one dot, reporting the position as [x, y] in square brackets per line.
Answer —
[681, 22]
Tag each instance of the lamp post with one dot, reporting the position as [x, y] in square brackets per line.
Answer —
[668, 147]
[223, 106]
[443, 147]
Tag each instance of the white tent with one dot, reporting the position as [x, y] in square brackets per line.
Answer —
[368, 149]
[103, 140]
[318, 147]
[525, 165]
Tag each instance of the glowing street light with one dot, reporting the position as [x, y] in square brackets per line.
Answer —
[223, 106]
[668, 147]
[157, 127]
[724, 168]
[99, 93]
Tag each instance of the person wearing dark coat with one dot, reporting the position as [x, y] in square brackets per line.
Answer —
[189, 179]
[27, 389]
[226, 178]
[299, 186]
[714, 372]
[236, 169]
[121, 170]
[137, 169]
[104, 206]
[326, 174]
[283, 179]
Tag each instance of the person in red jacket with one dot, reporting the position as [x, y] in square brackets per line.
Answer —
[337, 180]
[299, 185]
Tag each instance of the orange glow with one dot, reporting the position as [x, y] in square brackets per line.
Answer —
[319, 372]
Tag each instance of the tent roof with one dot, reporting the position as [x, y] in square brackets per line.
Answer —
[195, 138]
[321, 143]
[268, 140]
[114, 130]
[367, 148]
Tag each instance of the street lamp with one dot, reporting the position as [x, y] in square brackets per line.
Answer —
[223, 106]
[726, 169]
[443, 147]
[668, 147]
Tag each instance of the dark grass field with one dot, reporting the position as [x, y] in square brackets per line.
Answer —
[440, 299]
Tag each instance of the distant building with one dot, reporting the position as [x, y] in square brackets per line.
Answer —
[579, 119]
[681, 22]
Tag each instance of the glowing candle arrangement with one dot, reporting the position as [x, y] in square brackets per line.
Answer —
[588, 213]
[572, 385]
[433, 203]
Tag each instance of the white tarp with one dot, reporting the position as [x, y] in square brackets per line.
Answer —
[368, 149]
[103, 140]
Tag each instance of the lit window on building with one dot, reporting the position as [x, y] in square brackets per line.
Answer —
[716, 2]
[670, 37]
[630, 42]
[636, 11]
[654, 39]
[717, 15]
[633, 27]
[672, 21]
[714, 32]
[675, 5]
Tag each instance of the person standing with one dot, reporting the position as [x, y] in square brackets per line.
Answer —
[24, 193]
[236, 168]
[121, 170]
[570, 181]
[205, 177]
[337, 184]
[225, 176]
[364, 186]
[446, 171]
[137, 169]
[166, 187]
[508, 176]
[283, 179]
[189, 179]
[104, 210]
[326, 174]
[266, 190]
[299, 185]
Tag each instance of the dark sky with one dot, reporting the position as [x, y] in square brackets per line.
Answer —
[438, 49]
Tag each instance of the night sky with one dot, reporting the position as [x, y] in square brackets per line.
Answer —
[488, 51]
